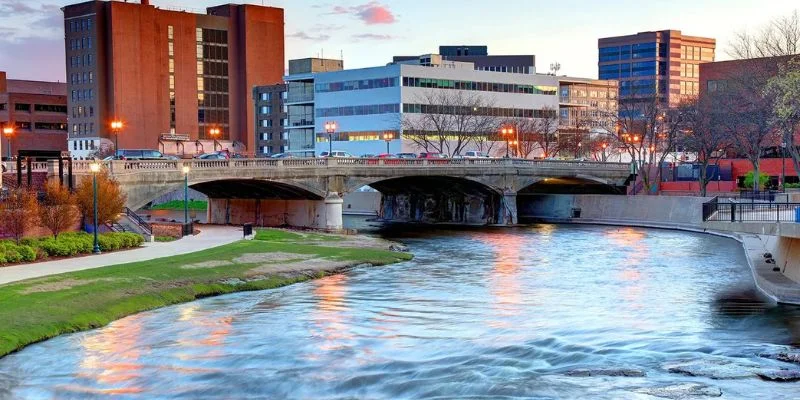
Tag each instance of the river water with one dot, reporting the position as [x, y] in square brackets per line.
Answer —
[506, 313]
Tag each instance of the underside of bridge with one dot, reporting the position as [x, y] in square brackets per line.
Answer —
[266, 203]
[570, 185]
[438, 199]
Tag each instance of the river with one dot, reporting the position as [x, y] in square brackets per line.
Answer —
[489, 313]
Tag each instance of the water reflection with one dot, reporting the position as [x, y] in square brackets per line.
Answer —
[478, 313]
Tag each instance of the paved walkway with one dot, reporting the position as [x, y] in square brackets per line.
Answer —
[210, 236]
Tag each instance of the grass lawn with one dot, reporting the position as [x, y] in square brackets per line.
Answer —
[196, 205]
[277, 235]
[41, 308]
[164, 239]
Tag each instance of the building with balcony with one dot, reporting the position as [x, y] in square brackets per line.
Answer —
[38, 113]
[481, 59]
[586, 104]
[664, 64]
[299, 128]
[168, 74]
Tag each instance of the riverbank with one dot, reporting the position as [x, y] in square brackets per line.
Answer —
[38, 309]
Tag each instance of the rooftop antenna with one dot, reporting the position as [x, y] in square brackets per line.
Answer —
[555, 67]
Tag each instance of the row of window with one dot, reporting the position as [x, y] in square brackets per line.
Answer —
[81, 78]
[83, 128]
[717, 85]
[513, 69]
[44, 126]
[358, 110]
[82, 43]
[357, 136]
[83, 145]
[26, 107]
[635, 51]
[690, 88]
[627, 70]
[79, 61]
[78, 25]
[484, 111]
[578, 93]
[690, 70]
[362, 84]
[479, 86]
[697, 53]
[85, 94]
[82, 112]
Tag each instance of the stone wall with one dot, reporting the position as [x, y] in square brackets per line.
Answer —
[295, 213]
[170, 229]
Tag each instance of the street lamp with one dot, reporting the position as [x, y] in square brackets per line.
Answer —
[507, 132]
[116, 126]
[580, 150]
[515, 144]
[783, 166]
[604, 146]
[8, 131]
[95, 168]
[330, 128]
[214, 132]
[186, 170]
[388, 138]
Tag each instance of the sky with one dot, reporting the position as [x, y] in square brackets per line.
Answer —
[369, 32]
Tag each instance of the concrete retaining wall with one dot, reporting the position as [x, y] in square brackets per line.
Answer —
[786, 252]
[362, 203]
[296, 213]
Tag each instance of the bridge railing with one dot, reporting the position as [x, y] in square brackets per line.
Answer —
[82, 167]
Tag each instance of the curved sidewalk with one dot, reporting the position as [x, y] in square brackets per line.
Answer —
[210, 236]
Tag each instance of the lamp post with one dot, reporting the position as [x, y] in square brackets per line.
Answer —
[388, 138]
[116, 126]
[8, 131]
[330, 129]
[95, 168]
[186, 170]
[579, 152]
[604, 146]
[515, 144]
[507, 132]
[214, 132]
[783, 166]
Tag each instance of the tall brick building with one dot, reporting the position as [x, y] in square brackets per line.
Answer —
[38, 113]
[169, 75]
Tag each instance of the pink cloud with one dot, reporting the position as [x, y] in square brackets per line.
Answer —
[371, 13]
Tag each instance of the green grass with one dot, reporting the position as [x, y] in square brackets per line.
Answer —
[164, 239]
[42, 308]
[275, 235]
[196, 205]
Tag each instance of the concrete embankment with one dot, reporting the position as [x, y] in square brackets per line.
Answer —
[779, 281]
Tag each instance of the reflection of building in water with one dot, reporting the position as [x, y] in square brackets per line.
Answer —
[112, 358]
[206, 331]
[504, 281]
[330, 314]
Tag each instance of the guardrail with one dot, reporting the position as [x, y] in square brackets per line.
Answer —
[262, 163]
[732, 211]
[136, 218]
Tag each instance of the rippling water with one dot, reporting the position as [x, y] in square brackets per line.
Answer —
[477, 314]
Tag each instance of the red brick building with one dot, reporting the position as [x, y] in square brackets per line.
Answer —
[169, 75]
[38, 113]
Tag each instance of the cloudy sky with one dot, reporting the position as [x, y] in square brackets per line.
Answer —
[370, 32]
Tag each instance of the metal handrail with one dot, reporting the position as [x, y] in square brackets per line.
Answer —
[139, 220]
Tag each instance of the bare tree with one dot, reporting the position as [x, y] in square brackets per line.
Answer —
[779, 37]
[448, 121]
[784, 90]
[700, 133]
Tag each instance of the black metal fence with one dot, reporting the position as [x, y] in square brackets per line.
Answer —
[720, 210]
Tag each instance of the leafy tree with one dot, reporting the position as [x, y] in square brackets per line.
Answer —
[749, 180]
[57, 211]
[18, 212]
[110, 199]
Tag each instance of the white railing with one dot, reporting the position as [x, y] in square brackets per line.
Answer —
[291, 163]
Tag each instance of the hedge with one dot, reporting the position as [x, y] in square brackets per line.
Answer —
[67, 245]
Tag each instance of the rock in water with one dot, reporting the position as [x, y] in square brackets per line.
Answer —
[783, 356]
[626, 372]
[682, 391]
[780, 375]
[398, 248]
[714, 369]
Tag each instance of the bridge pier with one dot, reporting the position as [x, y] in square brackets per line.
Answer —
[507, 213]
[333, 212]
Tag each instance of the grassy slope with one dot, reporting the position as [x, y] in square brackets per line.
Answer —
[93, 298]
[197, 205]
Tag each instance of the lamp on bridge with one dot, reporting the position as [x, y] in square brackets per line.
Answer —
[388, 138]
[507, 132]
[330, 129]
[8, 132]
[604, 146]
[116, 126]
[95, 168]
[215, 132]
[186, 170]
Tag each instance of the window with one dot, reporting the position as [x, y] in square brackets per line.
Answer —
[266, 96]
[50, 108]
[266, 109]
[266, 123]
[88, 59]
[22, 107]
[170, 32]
[91, 77]
[2, 106]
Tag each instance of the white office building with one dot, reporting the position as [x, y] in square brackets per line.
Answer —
[367, 104]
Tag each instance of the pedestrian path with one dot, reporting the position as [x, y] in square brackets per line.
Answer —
[210, 236]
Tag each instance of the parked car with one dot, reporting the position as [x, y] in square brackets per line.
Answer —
[138, 154]
[368, 156]
[212, 156]
[432, 155]
[336, 154]
[295, 154]
[387, 155]
[406, 155]
[475, 154]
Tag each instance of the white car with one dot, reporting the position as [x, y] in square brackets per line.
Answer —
[475, 154]
[336, 154]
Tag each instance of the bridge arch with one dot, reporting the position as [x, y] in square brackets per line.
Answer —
[575, 184]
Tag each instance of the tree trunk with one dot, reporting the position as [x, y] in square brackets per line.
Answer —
[703, 179]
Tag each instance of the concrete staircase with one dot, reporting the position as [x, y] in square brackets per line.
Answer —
[129, 221]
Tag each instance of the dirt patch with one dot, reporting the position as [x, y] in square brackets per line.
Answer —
[206, 264]
[62, 285]
[254, 258]
[313, 265]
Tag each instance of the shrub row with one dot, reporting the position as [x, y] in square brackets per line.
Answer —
[67, 245]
